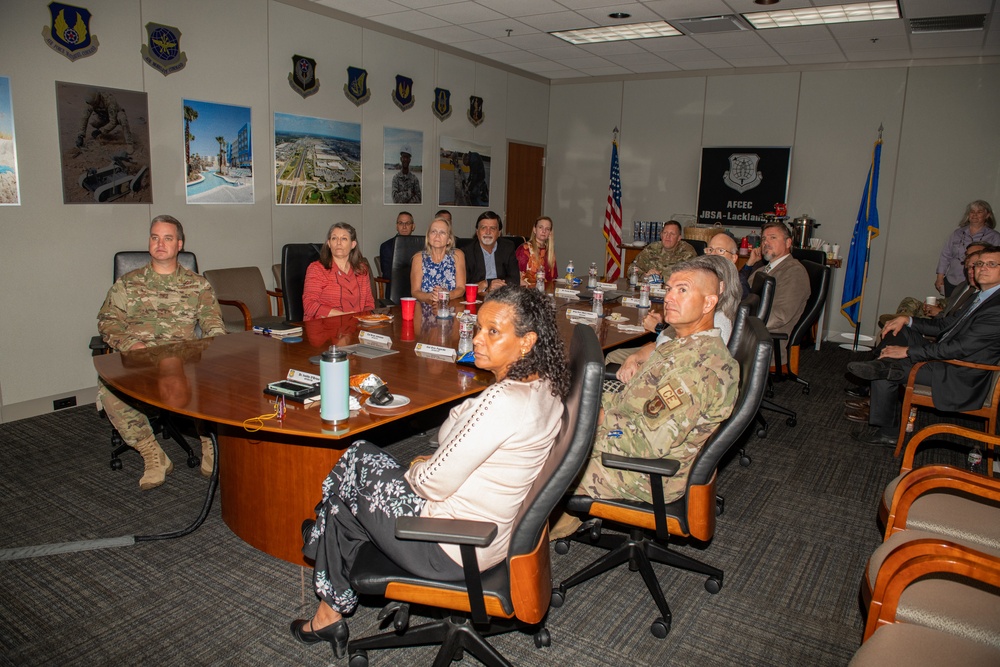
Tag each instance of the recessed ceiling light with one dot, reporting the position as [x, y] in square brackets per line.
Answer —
[765, 2]
[619, 15]
[788, 18]
[618, 33]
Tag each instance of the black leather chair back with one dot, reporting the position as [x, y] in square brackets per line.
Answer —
[295, 259]
[698, 245]
[746, 307]
[130, 260]
[573, 444]
[754, 357]
[819, 281]
[809, 255]
[404, 250]
[518, 241]
[763, 286]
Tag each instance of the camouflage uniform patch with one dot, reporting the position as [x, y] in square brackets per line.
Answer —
[655, 256]
[668, 410]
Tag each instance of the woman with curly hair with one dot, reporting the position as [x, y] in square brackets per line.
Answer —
[491, 449]
[338, 282]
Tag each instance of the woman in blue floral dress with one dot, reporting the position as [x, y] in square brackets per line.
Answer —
[440, 267]
[491, 448]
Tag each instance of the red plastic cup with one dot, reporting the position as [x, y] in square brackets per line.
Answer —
[407, 304]
[471, 292]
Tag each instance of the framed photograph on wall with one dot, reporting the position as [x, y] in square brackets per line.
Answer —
[218, 153]
[103, 145]
[465, 173]
[402, 167]
[9, 192]
[739, 185]
[317, 161]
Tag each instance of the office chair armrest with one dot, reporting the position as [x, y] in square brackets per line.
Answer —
[98, 346]
[937, 479]
[448, 531]
[247, 320]
[276, 293]
[779, 335]
[665, 467]
[611, 371]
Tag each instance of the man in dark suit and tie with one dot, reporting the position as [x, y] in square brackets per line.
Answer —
[491, 262]
[970, 333]
[791, 281]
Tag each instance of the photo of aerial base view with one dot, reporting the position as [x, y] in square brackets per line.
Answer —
[104, 144]
[317, 161]
[8, 152]
[218, 153]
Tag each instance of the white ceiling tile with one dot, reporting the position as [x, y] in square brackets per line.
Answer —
[684, 9]
[411, 21]
[868, 29]
[463, 12]
[417, 4]
[731, 53]
[449, 34]
[823, 46]
[608, 48]
[678, 57]
[868, 56]
[541, 66]
[952, 52]
[500, 27]
[767, 61]
[366, 9]
[662, 66]
[605, 71]
[713, 63]
[584, 63]
[483, 46]
[558, 21]
[514, 57]
[560, 52]
[713, 40]
[519, 8]
[874, 44]
[585, 4]
[815, 58]
[806, 33]
[535, 41]
[940, 40]
[660, 44]
[630, 59]
[639, 14]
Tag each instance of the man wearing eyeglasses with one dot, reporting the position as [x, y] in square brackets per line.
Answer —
[970, 333]
[724, 246]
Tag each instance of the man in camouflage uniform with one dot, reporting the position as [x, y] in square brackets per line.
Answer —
[158, 304]
[658, 258]
[405, 184]
[676, 399]
[103, 107]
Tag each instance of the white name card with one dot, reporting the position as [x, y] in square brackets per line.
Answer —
[630, 301]
[435, 351]
[573, 313]
[657, 291]
[608, 287]
[375, 340]
[564, 293]
[302, 377]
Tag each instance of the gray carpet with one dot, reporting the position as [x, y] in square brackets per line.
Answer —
[798, 526]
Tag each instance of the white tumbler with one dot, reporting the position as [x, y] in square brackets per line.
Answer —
[334, 386]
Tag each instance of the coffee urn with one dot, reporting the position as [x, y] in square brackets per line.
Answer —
[802, 230]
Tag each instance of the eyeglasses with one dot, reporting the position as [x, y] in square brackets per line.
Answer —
[989, 265]
[718, 251]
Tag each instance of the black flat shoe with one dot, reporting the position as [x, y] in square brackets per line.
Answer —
[856, 391]
[335, 633]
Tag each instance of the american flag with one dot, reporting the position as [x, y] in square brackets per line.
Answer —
[613, 219]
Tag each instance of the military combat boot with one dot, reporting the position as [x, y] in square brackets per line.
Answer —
[158, 464]
[207, 456]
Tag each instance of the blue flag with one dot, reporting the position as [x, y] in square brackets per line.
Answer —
[857, 260]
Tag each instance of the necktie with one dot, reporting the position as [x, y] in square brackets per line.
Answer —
[968, 311]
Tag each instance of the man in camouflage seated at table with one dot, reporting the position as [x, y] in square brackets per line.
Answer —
[160, 303]
[658, 258]
[675, 400]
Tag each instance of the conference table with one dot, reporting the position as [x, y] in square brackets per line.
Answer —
[269, 478]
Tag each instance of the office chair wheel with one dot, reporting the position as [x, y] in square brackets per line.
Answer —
[791, 421]
[805, 390]
[745, 461]
[660, 628]
[720, 505]
[358, 659]
[713, 585]
[562, 547]
[558, 597]
[116, 463]
[761, 431]
[769, 392]
[193, 461]
[543, 638]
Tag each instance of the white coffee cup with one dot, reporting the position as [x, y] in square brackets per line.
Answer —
[931, 301]
[836, 250]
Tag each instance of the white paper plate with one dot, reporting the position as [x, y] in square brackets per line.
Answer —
[398, 401]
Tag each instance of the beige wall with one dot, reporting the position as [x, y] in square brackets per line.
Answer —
[941, 150]
[55, 261]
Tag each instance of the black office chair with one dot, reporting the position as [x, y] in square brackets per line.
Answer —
[692, 515]
[295, 259]
[698, 245]
[761, 290]
[513, 595]
[809, 255]
[404, 250]
[127, 261]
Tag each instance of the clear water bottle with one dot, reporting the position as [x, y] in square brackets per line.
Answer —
[570, 273]
[466, 332]
[976, 460]
[592, 276]
[540, 280]
[633, 276]
[597, 303]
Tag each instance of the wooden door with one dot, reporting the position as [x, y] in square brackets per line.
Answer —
[525, 177]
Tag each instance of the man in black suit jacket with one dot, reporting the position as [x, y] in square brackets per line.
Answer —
[489, 249]
[971, 333]
[404, 227]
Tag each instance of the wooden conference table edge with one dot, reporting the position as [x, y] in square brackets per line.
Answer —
[270, 480]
